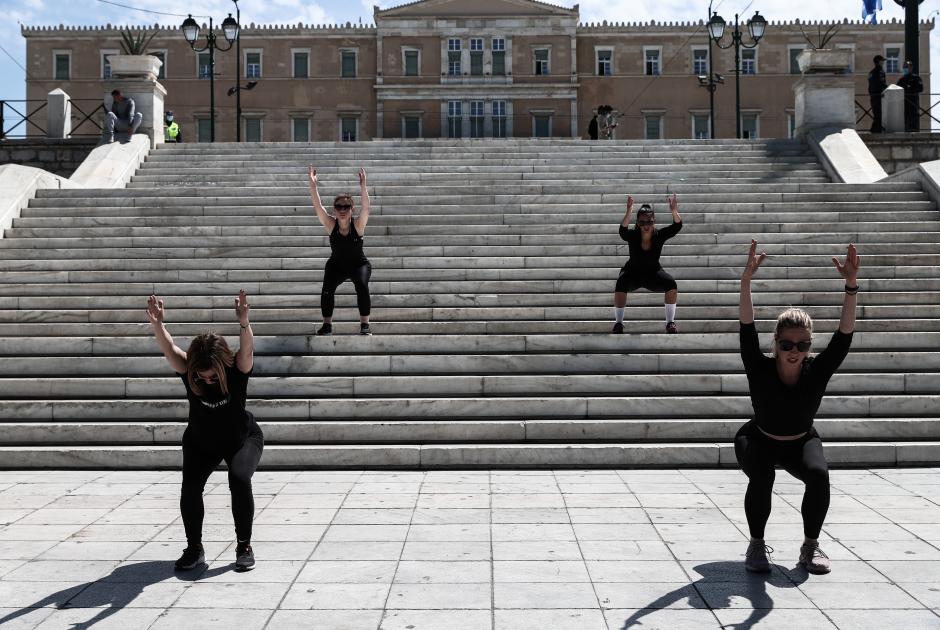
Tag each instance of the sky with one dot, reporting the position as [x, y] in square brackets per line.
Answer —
[92, 12]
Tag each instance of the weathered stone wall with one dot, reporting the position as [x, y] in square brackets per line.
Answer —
[899, 151]
[60, 157]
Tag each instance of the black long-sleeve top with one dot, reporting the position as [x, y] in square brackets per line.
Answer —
[778, 408]
[646, 260]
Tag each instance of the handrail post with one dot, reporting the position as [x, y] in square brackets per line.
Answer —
[2, 134]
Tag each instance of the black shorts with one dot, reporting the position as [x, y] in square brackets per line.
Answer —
[630, 280]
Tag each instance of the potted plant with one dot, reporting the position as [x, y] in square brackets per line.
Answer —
[134, 63]
[818, 59]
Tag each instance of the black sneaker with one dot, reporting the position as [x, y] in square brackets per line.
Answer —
[192, 557]
[364, 329]
[244, 557]
[671, 328]
[324, 330]
[618, 328]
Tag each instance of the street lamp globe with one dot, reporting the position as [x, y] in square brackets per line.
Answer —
[230, 28]
[757, 26]
[190, 30]
[716, 27]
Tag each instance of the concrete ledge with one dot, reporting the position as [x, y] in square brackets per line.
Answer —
[927, 174]
[18, 184]
[112, 165]
[844, 156]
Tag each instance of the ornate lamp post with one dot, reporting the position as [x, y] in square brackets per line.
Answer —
[190, 30]
[716, 30]
[238, 75]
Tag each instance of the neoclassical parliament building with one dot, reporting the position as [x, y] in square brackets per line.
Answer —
[467, 68]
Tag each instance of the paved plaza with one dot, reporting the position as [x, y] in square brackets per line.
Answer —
[448, 550]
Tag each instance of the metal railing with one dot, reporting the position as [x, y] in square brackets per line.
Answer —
[860, 99]
[20, 116]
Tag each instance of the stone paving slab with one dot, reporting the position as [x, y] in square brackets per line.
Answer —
[452, 549]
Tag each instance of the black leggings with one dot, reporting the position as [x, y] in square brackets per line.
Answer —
[335, 274]
[803, 458]
[657, 281]
[198, 464]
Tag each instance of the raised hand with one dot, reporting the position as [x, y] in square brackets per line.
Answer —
[673, 202]
[362, 177]
[849, 269]
[629, 203]
[242, 308]
[753, 260]
[312, 174]
[155, 310]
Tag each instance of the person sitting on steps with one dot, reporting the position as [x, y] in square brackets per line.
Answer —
[122, 116]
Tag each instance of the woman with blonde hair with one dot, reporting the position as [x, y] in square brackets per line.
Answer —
[347, 260]
[786, 390]
[219, 428]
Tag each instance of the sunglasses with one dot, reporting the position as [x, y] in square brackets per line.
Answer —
[342, 206]
[642, 223]
[786, 345]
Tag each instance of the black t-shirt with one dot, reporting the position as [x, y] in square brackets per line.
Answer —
[778, 408]
[647, 260]
[347, 249]
[877, 81]
[217, 421]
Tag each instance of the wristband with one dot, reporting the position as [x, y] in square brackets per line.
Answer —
[244, 327]
[851, 290]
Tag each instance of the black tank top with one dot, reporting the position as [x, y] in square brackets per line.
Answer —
[347, 249]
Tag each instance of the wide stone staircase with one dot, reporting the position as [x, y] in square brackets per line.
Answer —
[494, 266]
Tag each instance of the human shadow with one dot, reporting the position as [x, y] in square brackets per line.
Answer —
[719, 584]
[117, 590]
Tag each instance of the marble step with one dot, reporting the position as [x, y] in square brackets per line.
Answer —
[393, 431]
[585, 406]
[346, 311]
[676, 385]
[56, 331]
[657, 181]
[464, 456]
[299, 151]
[311, 284]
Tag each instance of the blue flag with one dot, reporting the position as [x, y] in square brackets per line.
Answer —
[869, 8]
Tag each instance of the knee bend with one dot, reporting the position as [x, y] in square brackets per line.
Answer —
[816, 476]
[239, 481]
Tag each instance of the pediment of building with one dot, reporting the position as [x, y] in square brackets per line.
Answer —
[474, 8]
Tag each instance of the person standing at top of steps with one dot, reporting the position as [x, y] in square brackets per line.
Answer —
[220, 428]
[642, 269]
[786, 391]
[347, 260]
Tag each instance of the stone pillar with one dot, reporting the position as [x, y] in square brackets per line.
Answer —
[892, 109]
[825, 94]
[59, 119]
[136, 77]
[575, 133]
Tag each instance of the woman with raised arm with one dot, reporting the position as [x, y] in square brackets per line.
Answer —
[347, 260]
[220, 428]
[642, 269]
[786, 391]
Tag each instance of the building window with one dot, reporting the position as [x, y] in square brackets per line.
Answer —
[203, 67]
[749, 61]
[499, 56]
[604, 62]
[454, 119]
[476, 119]
[701, 126]
[700, 61]
[203, 129]
[476, 56]
[106, 63]
[349, 128]
[541, 125]
[411, 63]
[300, 129]
[62, 62]
[794, 53]
[301, 64]
[348, 58]
[541, 61]
[253, 64]
[892, 59]
[750, 126]
[411, 126]
[453, 57]
[791, 125]
[161, 55]
[253, 130]
[653, 126]
[499, 119]
[652, 56]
